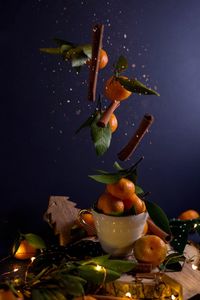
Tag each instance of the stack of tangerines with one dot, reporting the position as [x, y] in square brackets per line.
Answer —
[119, 198]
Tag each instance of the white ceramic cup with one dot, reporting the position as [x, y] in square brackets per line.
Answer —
[117, 234]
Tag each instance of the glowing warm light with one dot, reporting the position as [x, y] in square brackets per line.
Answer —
[194, 267]
[15, 270]
[195, 225]
[33, 258]
[173, 297]
[98, 268]
[128, 294]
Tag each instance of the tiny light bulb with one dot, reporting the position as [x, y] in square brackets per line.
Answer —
[33, 258]
[194, 267]
[173, 297]
[195, 225]
[98, 268]
[15, 270]
[128, 294]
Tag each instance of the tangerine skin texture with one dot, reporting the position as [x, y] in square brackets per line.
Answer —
[25, 251]
[150, 249]
[113, 123]
[110, 204]
[189, 214]
[123, 189]
[114, 91]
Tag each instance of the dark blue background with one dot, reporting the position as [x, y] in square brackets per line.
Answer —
[43, 102]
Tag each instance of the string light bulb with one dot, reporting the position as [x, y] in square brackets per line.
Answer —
[128, 295]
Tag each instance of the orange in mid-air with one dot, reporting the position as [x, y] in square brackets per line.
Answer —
[150, 249]
[189, 214]
[113, 123]
[110, 205]
[114, 91]
[123, 189]
[103, 59]
[25, 251]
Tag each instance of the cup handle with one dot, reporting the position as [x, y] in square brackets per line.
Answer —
[90, 228]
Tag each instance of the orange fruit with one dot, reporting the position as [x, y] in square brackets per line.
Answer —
[135, 201]
[114, 91]
[25, 251]
[113, 123]
[87, 219]
[123, 189]
[103, 59]
[110, 205]
[150, 249]
[189, 215]
[8, 295]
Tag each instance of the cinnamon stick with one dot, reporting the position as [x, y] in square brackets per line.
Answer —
[153, 228]
[128, 150]
[94, 67]
[107, 114]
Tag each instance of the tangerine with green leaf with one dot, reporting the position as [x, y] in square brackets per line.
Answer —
[114, 91]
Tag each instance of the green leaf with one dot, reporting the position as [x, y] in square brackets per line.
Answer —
[132, 175]
[99, 260]
[56, 295]
[16, 244]
[64, 49]
[61, 42]
[78, 59]
[34, 240]
[158, 216]
[72, 284]
[136, 86]
[173, 258]
[55, 51]
[117, 265]
[138, 190]
[87, 123]
[36, 294]
[87, 49]
[106, 178]
[98, 276]
[121, 65]
[101, 137]
[117, 166]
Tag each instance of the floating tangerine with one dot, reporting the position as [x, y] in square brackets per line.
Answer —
[123, 189]
[113, 123]
[103, 59]
[114, 91]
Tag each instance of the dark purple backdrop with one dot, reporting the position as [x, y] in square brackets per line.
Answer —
[43, 102]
